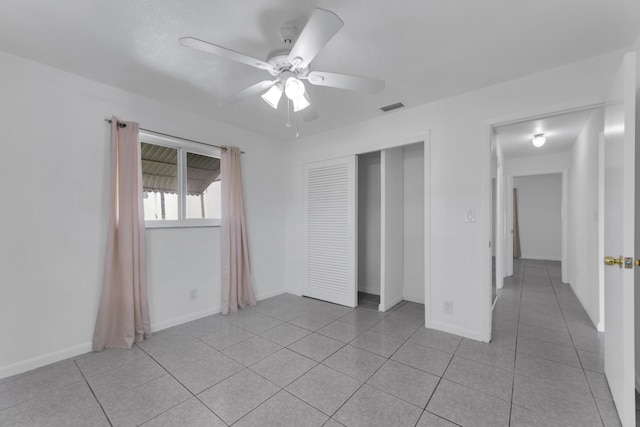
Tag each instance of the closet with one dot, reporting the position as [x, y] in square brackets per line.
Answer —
[363, 227]
[391, 225]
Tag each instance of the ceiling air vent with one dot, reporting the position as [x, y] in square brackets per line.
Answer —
[393, 106]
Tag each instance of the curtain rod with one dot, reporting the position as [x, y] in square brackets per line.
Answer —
[122, 125]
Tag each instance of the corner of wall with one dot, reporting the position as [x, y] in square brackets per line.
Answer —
[594, 319]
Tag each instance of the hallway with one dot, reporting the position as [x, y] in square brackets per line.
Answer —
[559, 366]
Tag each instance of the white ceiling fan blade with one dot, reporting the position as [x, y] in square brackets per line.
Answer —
[320, 28]
[248, 92]
[309, 114]
[345, 81]
[224, 52]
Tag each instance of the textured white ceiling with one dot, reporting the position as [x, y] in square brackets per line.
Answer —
[561, 131]
[425, 50]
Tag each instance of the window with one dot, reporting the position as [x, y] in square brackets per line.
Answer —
[181, 182]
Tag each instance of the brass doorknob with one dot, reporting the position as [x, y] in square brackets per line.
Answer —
[609, 260]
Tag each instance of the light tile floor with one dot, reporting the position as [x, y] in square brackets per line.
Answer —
[295, 361]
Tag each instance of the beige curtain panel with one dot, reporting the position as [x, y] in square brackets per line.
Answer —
[123, 315]
[237, 289]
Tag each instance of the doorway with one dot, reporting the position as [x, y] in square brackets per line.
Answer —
[387, 225]
[539, 216]
[564, 168]
[582, 168]
[391, 255]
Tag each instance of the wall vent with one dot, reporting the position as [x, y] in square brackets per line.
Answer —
[393, 106]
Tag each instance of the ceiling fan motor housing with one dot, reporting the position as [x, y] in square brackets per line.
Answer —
[279, 59]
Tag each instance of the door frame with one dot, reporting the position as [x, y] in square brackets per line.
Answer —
[563, 212]
[502, 235]
[425, 139]
[490, 125]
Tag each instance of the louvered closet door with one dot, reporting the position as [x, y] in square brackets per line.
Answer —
[329, 231]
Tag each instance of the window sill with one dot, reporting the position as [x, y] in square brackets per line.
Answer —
[189, 223]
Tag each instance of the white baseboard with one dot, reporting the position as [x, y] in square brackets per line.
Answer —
[539, 258]
[296, 292]
[170, 323]
[417, 300]
[463, 332]
[208, 312]
[45, 359]
[265, 295]
[389, 304]
[595, 322]
[36, 362]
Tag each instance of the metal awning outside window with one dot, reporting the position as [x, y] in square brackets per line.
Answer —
[160, 170]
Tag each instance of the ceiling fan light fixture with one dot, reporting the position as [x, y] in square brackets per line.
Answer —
[294, 88]
[272, 96]
[538, 140]
[300, 103]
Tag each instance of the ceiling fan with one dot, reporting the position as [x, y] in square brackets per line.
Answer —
[290, 66]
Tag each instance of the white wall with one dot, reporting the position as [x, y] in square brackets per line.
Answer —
[538, 165]
[460, 260]
[583, 242]
[369, 225]
[55, 170]
[414, 223]
[539, 215]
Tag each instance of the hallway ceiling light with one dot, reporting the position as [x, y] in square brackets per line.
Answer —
[538, 140]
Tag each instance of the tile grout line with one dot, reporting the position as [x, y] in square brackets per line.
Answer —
[360, 387]
[595, 402]
[515, 353]
[441, 377]
[370, 376]
[317, 363]
[282, 347]
[575, 349]
[185, 387]
[44, 367]
[93, 393]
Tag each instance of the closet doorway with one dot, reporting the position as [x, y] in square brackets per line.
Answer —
[363, 227]
[391, 226]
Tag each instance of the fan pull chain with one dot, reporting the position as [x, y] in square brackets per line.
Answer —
[288, 125]
[297, 127]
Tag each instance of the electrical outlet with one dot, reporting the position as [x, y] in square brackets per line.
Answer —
[193, 294]
[448, 307]
[470, 215]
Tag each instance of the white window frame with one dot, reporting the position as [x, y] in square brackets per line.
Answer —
[182, 146]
